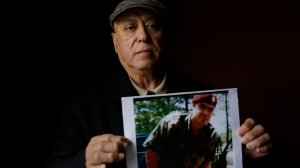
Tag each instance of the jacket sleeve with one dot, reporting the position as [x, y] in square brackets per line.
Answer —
[71, 137]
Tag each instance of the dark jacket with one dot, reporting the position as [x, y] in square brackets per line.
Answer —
[96, 109]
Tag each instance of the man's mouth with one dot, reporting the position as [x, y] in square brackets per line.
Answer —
[144, 50]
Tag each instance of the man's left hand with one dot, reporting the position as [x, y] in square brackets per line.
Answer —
[256, 140]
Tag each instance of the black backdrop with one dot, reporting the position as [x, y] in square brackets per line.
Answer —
[55, 47]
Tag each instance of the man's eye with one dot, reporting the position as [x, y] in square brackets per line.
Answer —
[129, 28]
[201, 106]
[152, 26]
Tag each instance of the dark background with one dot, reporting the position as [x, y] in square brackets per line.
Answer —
[54, 47]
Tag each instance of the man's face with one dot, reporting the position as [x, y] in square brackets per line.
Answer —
[203, 112]
[138, 39]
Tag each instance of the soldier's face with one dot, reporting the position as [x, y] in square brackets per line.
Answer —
[204, 112]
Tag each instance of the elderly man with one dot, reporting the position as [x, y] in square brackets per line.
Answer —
[91, 130]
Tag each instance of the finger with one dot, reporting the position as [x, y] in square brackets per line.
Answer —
[254, 154]
[109, 146]
[102, 166]
[264, 149]
[246, 126]
[102, 157]
[258, 142]
[254, 133]
[111, 137]
[97, 166]
[109, 143]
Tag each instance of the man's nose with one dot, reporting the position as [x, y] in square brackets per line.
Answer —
[207, 112]
[143, 34]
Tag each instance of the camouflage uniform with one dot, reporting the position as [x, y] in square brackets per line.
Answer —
[173, 140]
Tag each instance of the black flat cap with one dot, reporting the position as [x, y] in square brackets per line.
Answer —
[152, 5]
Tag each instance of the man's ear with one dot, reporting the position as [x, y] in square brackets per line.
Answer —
[115, 41]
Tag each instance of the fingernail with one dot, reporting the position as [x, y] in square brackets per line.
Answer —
[121, 156]
[249, 146]
[243, 140]
[258, 150]
[103, 166]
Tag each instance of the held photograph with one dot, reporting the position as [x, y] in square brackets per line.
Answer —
[188, 129]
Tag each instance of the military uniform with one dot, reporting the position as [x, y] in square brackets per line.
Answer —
[176, 145]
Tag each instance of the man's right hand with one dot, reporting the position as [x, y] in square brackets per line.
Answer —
[103, 149]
